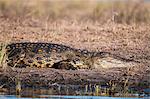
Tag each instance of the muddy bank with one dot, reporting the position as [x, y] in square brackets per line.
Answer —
[49, 77]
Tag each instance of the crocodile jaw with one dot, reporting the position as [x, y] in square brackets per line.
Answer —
[110, 62]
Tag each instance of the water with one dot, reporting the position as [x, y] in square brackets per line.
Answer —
[67, 97]
[72, 92]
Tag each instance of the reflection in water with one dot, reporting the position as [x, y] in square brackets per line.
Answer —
[69, 97]
[75, 91]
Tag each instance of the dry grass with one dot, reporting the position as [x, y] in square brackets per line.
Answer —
[3, 56]
[117, 27]
[83, 10]
[119, 38]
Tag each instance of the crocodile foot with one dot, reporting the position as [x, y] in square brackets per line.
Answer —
[65, 64]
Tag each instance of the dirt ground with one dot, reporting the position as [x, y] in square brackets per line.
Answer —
[120, 28]
[128, 41]
[132, 41]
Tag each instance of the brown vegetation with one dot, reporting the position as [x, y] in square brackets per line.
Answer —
[118, 27]
[81, 10]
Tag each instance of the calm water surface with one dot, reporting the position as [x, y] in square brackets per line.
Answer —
[70, 92]
[67, 97]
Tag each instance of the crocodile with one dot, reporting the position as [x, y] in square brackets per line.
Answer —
[58, 56]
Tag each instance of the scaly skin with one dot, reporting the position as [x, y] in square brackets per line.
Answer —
[53, 55]
[45, 55]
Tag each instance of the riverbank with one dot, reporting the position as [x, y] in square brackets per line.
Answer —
[116, 80]
[120, 28]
